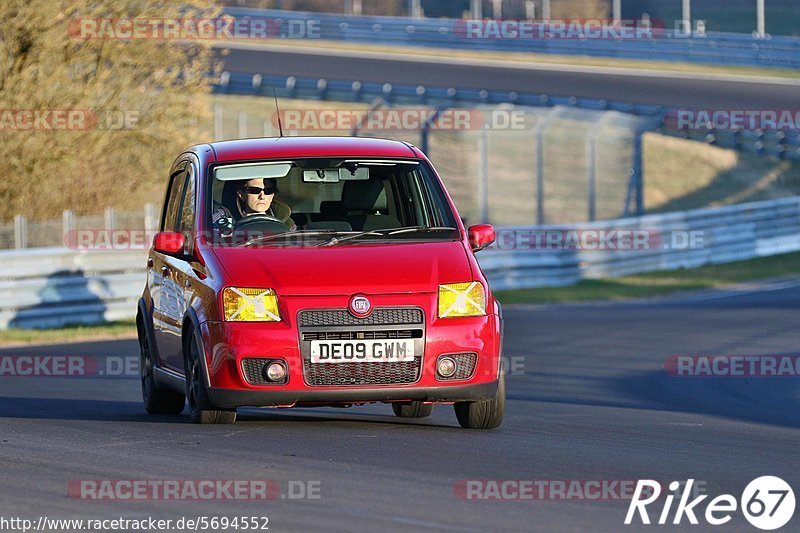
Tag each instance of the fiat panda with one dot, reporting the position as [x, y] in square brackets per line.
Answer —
[313, 271]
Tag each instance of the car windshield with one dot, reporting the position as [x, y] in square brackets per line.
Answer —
[327, 202]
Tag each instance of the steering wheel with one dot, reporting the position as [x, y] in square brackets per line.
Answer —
[254, 219]
[257, 226]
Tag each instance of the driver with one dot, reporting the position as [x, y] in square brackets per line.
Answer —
[255, 197]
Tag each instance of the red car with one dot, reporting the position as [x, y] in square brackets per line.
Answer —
[313, 271]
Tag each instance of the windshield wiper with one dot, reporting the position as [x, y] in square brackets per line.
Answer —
[336, 240]
[385, 233]
[411, 229]
[265, 238]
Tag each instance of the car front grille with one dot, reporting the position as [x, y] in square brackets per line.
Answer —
[346, 374]
[339, 324]
[362, 335]
[379, 316]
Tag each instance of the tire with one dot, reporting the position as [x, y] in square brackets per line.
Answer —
[158, 400]
[484, 414]
[201, 410]
[412, 410]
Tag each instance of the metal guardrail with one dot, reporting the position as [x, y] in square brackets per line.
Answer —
[53, 287]
[783, 144]
[721, 234]
[711, 48]
[50, 287]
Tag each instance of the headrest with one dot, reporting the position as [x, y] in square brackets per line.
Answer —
[364, 195]
[332, 209]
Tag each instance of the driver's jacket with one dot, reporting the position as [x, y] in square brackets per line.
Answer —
[222, 218]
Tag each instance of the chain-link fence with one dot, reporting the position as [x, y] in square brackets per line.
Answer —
[69, 230]
[501, 164]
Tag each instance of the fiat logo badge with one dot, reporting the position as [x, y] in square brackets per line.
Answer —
[360, 306]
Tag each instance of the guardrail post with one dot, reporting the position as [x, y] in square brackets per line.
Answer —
[530, 10]
[591, 170]
[483, 176]
[20, 232]
[150, 218]
[355, 89]
[67, 222]
[497, 9]
[420, 91]
[349, 7]
[476, 9]
[322, 87]
[760, 27]
[110, 219]
[636, 172]
[415, 9]
[387, 92]
[686, 17]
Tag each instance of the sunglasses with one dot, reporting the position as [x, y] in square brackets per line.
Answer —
[258, 190]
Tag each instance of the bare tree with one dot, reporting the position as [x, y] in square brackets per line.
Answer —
[136, 102]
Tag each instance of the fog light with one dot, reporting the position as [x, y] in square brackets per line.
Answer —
[275, 371]
[446, 367]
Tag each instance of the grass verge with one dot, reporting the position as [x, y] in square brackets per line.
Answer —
[114, 330]
[660, 283]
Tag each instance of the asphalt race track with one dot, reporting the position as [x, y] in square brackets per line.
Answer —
[673, 89]
[588, 399]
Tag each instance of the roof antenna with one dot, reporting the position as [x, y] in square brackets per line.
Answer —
[277, 109]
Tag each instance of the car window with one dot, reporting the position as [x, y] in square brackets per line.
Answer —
[169, 219]
[187, 216]
[329, 196]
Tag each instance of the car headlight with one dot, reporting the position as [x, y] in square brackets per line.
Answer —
[250, 305]
[462, 299]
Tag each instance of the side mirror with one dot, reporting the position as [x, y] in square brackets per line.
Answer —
[168, 242]
[480, 236]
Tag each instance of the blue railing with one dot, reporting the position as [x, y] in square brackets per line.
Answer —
[713, 48]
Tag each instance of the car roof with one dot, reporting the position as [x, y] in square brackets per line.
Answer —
[296, 147]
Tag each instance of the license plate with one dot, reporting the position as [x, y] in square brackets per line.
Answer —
[366, 351]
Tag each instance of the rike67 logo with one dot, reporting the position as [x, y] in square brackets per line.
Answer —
[767, 503]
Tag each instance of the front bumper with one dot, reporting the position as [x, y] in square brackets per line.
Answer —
[231, 398]
[227, 344]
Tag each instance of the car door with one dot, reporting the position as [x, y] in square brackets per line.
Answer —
[163, 289]
[180, 278]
